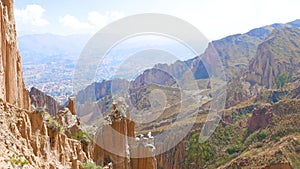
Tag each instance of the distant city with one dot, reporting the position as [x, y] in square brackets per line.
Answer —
[49, 60]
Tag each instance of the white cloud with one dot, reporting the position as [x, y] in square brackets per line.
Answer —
[97, 19]
[74, 23]
[32, 15]
[93, 23]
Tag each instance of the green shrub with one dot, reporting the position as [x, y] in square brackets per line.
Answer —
[90, 165]
[255, 153]
[18, 161]
[235, 149]
[261, 135]
[282, 79]
[247, 154]
[81, 136]
[198, 152]
[259, 145]
[53, 124]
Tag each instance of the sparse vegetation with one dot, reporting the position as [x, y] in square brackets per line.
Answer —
[18, 161]
[235, 149]
[82, 136]
[199, 153]
[282, 79]
[258, 136]
[255, 153]
[259, 145]
[53, 124]
[277, 138]
[261, 135]
[90, 165]
[231, 140]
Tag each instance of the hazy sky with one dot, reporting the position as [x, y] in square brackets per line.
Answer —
[214, 18]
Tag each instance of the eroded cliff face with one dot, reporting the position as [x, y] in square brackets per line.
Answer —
[174, 158]
[115, 143]
[260, 118]
[279, 53]
[26, 136]
[41, 100]
[12, 88]
[30, 139]
[154, 76]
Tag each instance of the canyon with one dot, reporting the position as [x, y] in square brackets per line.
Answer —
[258, 127]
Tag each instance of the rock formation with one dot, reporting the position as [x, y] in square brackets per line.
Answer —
[261, 118]
[41, 100]
[71, 105]
[41, 143]
[97, 91]
[115, 142]
[30, 139]
[178, 155]
[278, 54]
[154, 76]
[46, 142]
[12, 88]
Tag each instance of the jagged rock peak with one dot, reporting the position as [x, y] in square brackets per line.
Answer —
[119, 110]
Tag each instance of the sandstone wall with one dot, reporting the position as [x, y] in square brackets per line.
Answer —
[12, 88]
[132, 154]
[115, 142]
[27, 135]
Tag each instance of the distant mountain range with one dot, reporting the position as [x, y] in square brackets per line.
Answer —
[59, 53]
[43, 48]
[258, 126]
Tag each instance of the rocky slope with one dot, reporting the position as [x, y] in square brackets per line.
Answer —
[272, 138]
[235, 53]
[12, 88]
[273, 50]
[279, 53]
[265, 137]
[252, 62]
[31, 142]
[40, 100]
[31, 139]
[153, 76]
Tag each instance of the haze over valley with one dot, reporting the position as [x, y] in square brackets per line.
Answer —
[150, 85]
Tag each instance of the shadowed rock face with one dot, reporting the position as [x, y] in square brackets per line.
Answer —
[41, 100]
[261, 118]
[12, 88]
[125, 152]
